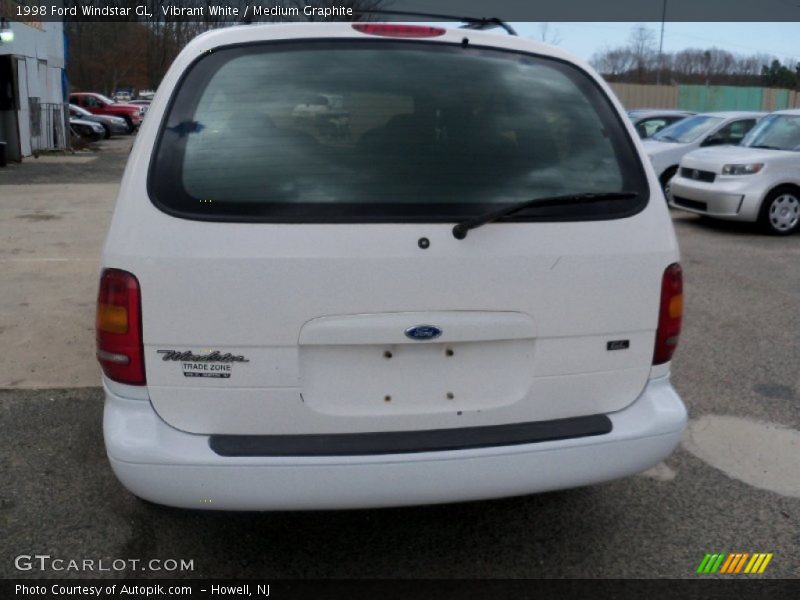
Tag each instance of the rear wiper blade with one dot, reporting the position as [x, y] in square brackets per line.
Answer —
[460, 230]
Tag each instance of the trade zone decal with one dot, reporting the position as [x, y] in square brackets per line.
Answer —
[212, 364]
[735, 563]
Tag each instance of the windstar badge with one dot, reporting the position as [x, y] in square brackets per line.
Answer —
[188, 356]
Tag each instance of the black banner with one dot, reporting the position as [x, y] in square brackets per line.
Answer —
[494, 589]
[232, 11]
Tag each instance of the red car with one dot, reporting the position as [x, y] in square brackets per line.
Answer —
[102, 105]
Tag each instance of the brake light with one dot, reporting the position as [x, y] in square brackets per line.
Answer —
[119, 327]
[670, 314]
[410, 31]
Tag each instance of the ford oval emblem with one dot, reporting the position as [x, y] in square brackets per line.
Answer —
[423, 332]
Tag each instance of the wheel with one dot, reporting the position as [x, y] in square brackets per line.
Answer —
[780, 213]
[666, 178]
[86, 133]
[129, 124]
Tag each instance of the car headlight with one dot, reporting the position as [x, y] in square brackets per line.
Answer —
[748, 169]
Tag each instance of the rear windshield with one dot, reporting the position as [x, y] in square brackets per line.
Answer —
[688, 130]
[348, 131]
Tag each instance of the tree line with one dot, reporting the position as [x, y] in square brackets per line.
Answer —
[136, 52]
[640, 62]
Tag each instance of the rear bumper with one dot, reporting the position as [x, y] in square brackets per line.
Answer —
[167, 466]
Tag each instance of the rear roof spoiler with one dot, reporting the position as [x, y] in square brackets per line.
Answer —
[468, 22]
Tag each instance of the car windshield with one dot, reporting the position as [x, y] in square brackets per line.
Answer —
[78, 111]
[104, 99]
[778, 132]
[387, 132]
[688, 130]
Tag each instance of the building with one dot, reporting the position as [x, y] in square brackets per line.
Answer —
[32, 94]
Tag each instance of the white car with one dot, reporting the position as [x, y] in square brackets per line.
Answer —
[476, 294]
[758, 181]
[649, 121]
[667, 147]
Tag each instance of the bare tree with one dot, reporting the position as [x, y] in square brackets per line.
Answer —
[642, 44]
[614, 61]
[549, 35]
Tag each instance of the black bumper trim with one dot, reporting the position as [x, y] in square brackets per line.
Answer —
[406, 442]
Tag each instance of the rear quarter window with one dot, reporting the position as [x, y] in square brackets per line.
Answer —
[352, 131]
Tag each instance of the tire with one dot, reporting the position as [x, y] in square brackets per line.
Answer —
[665, 178]
[780, 212]
[130, 126]
[86, 133]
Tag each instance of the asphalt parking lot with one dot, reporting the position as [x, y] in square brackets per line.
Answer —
[733, 486]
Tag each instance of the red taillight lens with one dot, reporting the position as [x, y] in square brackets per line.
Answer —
[670, 314]
[409, 31]
[119, 327]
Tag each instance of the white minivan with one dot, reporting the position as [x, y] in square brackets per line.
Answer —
[471, 292]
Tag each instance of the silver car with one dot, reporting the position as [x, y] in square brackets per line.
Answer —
[757, 181]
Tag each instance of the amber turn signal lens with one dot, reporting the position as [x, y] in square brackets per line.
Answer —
[676, 307]
[112, 319]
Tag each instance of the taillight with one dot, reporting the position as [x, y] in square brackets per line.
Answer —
[408, 31]
[670, 314]
[119, 327]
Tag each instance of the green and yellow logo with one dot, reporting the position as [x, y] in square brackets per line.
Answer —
[734, 563]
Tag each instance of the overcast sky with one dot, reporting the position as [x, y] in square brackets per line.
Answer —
[583, 39]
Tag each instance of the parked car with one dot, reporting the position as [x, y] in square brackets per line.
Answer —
[111, 125]
[668, 146]
[649, 121]
[89, 130]
[476, 295]
[97, 104]
[757, 181]
[122, 97]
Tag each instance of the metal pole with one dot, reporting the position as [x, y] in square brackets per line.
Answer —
[661, 41]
